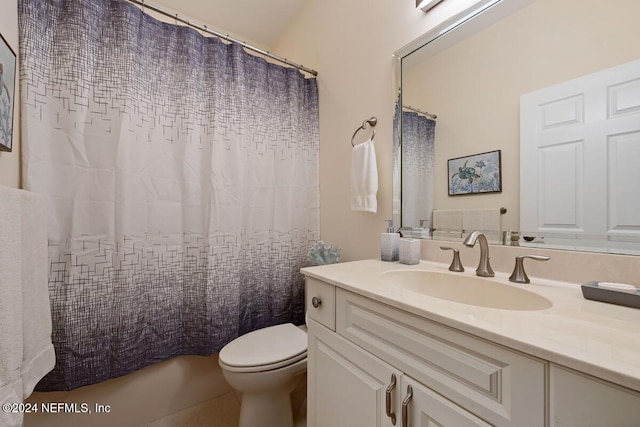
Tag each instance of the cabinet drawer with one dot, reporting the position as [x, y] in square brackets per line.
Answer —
[325, 312]
[501, 386]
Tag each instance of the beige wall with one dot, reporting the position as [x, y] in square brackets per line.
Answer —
[350, 43]
[475, 86]
[10, 161]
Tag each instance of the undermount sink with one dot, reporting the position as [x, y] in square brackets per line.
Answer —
[469, 290]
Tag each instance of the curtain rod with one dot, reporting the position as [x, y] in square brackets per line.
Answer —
[175, 16]
[408, 107]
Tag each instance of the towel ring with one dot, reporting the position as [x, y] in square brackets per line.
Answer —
[372, 122]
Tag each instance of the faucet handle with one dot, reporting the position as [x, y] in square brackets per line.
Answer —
[456, 265]
[519, 275]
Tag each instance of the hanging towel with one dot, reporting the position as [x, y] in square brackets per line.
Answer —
[448, 220]
[38, 356]
[11, 341]
[26, 351]
[447, 224]
[364, 178]
[487, 219]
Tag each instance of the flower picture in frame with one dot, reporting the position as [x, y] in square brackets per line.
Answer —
[7, 93]
[479, 173]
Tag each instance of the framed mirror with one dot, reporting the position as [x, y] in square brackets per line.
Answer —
[472, 71]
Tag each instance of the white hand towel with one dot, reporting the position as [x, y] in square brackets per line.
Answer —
[11, 341]
[447, 220]
[38, 356]
[364, 178]
[487, 219]
[26, 351]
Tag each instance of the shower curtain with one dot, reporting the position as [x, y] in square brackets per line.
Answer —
[182, 182]
[418, 135]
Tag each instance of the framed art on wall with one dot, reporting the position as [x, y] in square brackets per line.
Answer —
[478, 173]
[7, 93]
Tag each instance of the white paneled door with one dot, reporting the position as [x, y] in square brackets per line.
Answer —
[580, 155]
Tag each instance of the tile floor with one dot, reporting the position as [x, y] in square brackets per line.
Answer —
[224, 411]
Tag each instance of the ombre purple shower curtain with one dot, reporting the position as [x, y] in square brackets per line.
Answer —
[413, 167]
[182, 182]
[418, 143]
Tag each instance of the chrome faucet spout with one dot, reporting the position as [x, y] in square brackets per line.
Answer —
[484, 267]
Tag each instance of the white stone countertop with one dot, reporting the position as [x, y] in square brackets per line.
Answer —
[597, 338]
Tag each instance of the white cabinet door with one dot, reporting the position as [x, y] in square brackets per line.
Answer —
[579, 153]
[423, 407]
[346, 385]
[576, 399]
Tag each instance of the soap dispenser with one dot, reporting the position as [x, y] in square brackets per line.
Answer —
[390, 244]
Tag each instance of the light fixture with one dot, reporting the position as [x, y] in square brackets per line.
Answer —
[425, 5]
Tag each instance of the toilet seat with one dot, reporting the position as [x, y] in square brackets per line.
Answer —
[265, 349]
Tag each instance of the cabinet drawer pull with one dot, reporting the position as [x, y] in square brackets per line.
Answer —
[390, 389]
[405, 406]
[315, 301]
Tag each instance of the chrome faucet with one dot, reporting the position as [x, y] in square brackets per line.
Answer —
[484, 268]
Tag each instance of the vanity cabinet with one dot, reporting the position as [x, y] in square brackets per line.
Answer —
[348, 386]
[455, 379]
[357, 345]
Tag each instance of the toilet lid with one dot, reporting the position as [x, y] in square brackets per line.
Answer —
[265, 346]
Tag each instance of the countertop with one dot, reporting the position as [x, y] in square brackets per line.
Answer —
[597, 338]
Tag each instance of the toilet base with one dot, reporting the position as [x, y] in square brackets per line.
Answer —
[273, 408]
[266, 411]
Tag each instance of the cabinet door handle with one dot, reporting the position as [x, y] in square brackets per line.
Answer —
[390, 389]
[315, 301]
[405, 406]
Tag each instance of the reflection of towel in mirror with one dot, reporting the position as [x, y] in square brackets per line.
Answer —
[487, 219]
[364, 178]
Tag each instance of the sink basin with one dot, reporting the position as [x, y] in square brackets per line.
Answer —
[471, 290]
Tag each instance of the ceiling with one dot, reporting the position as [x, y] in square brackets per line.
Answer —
[257, 21]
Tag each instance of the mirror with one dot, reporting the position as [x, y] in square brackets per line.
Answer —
[471, 72]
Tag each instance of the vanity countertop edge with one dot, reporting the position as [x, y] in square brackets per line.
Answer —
[596, 338]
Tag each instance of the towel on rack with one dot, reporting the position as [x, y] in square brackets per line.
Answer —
[447, 220]
[26, 351]
[364, 178]
[485, 219]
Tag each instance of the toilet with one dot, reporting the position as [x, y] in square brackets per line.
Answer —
[266, 366]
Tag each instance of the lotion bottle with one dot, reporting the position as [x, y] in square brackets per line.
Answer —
[389, 244]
